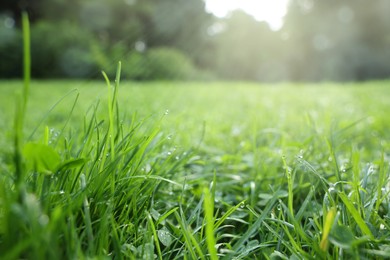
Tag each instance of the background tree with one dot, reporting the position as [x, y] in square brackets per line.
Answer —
[337, 40]
[320, 40]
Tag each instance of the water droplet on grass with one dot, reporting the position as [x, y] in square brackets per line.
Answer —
[43, 220]
[166, 112]
[331, 188]
[164, 236]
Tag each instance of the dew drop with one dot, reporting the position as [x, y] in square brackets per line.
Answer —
[331, 189]
[43, 220]
[164, 237]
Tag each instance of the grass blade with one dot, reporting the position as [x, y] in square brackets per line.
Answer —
[256, 225]
[209, 217]
[330, 217]
[355, 214]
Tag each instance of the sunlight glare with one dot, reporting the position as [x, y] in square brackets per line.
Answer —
[270, 11]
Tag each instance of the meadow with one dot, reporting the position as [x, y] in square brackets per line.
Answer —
[173, 170]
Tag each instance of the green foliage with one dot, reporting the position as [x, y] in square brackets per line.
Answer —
[10, 50]
[168, 64]
[159, 64]
[319, 41]
[42, 158]
[335, 40]
[66, 51]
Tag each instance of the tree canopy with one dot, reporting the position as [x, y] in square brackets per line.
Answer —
[320, 40]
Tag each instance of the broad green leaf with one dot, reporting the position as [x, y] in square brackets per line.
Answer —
[342, 236]
[164, 236]
[41, 158]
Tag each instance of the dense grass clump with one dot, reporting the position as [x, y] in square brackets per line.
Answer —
[232, 171]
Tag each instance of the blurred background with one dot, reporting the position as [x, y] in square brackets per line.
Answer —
[295, 40]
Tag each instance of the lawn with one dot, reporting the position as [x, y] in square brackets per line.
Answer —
[174, 170]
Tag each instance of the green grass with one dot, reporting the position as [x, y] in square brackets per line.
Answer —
[193, 171]
[253, 171]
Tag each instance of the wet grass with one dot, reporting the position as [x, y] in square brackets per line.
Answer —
[193, 170]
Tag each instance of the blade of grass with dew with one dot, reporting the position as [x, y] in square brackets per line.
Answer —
[290, 183]
[381, 181]
[229, 212]
[163, 217]
[87, 217]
